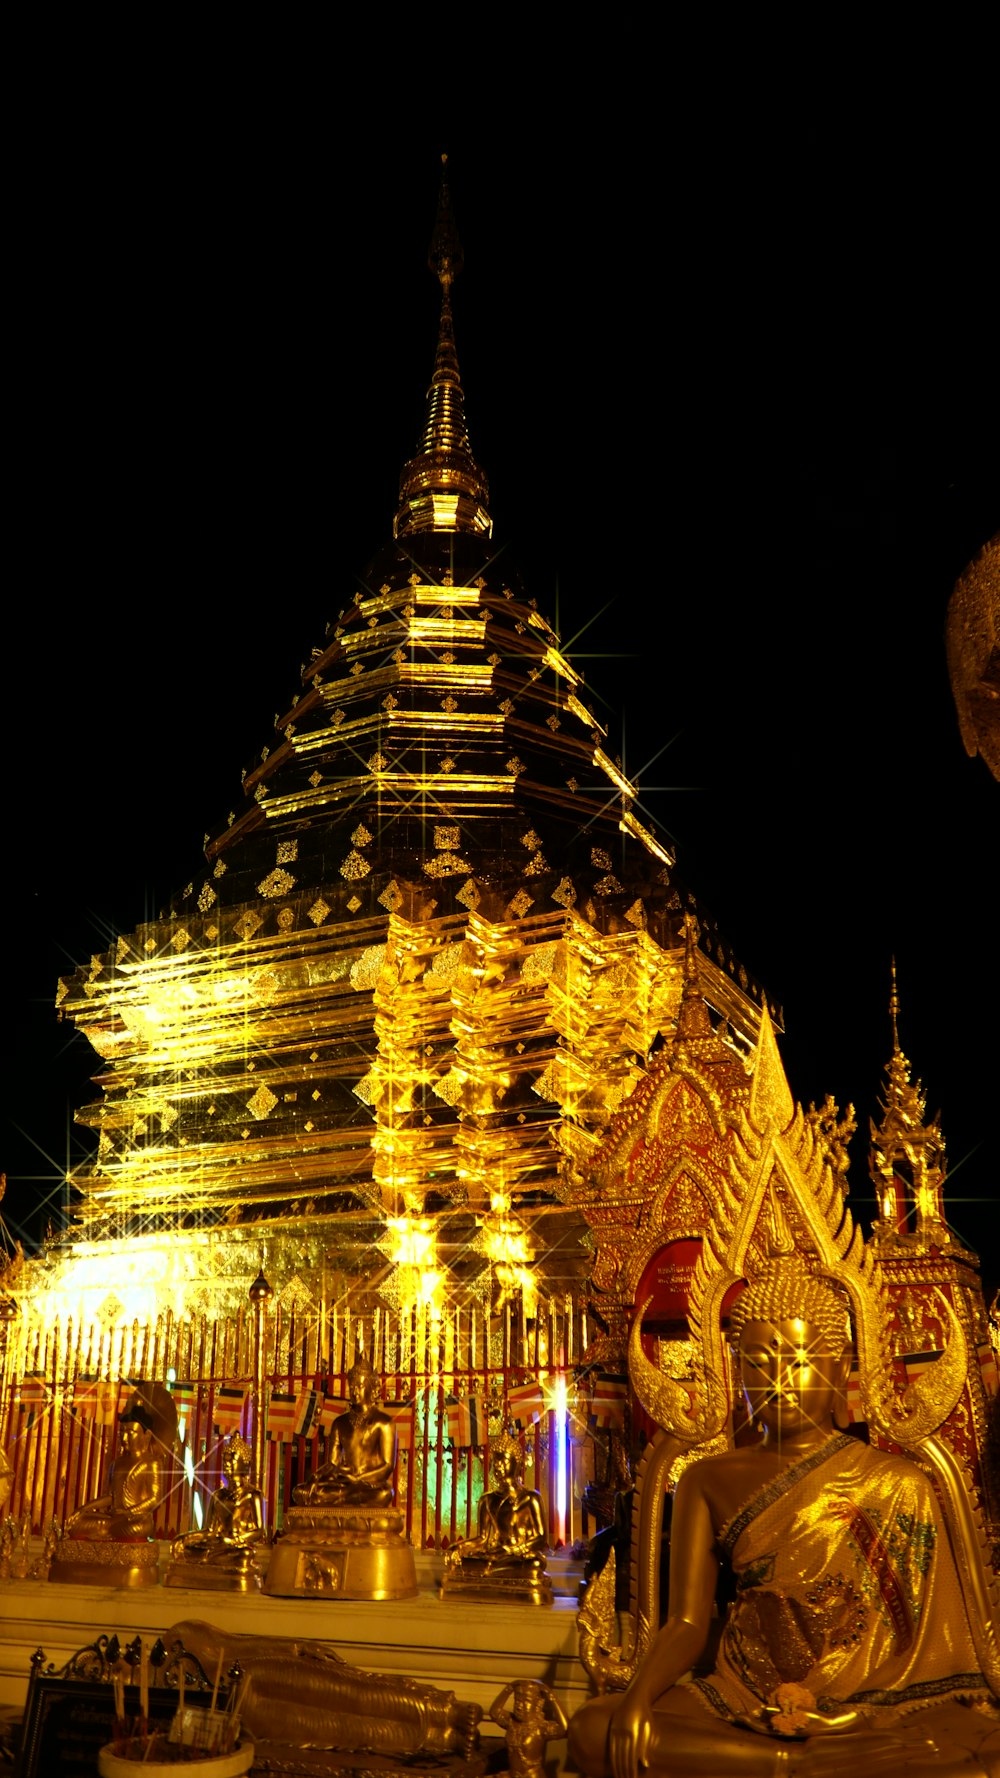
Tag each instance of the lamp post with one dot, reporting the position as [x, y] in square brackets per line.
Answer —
[260, 1295]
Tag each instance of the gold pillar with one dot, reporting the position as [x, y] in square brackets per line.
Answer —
[260, 1295]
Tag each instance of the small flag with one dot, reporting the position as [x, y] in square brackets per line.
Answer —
[305, 1412]
[227, 1411]
[988, 1365]
[186, 1399]
[854, 1409]
[402, 1416]
[467, 1421]
[33, 1395]
[330, 1409]
[107, 1403]
[525, 1404]
[85, 1396]
[607, 1404]
[281, 1414]
[916, 1363]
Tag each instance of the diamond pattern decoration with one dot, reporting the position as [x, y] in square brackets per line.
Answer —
[354, 866]
[180, 940]
[520, 904]
[315, 779]
[469, 896]
[449, 704]
[353, 905]
[377, 763]
[318, 911]
[279, 882]
[248, 924]
[361, 837]
[446, 838]
[515, 766]
[447, 764]
[206, 897]
[288, 851]
[262, 1103]
[608, 885]
[564, 893]
[391, 897]
[636, 914]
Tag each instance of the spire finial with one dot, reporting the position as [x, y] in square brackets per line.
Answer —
[443, 488]
[894, 1009]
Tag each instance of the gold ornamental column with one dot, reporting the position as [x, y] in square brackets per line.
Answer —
[260, 1295]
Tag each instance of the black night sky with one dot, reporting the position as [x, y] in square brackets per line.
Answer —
[739, 421]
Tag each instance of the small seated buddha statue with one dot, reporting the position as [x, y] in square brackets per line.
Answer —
[359, 1471]
[506, 1559]
[847, 1648]
[224, 1555]
[343, 1534]
[109, 1540]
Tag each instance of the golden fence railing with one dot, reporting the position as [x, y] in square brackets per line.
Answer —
[69, 1384]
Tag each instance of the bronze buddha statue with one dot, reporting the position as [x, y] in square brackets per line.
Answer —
[224, 1554]
[507, 1557]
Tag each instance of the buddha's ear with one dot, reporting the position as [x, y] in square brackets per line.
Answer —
[842, 1371]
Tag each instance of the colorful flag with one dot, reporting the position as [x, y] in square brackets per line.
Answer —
[107, 1403]
[305, 1412]
[607, 1404]
[467, 1421]
[281, 1414]
[227, 1413]
[330, 1409]
[525, 1404]
[854, 1407]
[916, 1364]
[185, 1398]
[402, 1416]
[988, 1365]
[85, 1396]
[33, 1395]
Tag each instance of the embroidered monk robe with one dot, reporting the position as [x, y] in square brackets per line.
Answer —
[846, 1586]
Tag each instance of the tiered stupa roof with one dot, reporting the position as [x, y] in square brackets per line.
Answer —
[432, 944]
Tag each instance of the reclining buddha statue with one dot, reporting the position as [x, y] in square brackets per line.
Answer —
[862, 1635]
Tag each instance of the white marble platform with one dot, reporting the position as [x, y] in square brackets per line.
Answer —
[473, 1650]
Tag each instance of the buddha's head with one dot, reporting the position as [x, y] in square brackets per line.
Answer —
[361, 1382]
[236, 1459]
[791, 1336]
[505, 1456]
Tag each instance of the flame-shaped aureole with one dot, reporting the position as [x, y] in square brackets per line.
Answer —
[668, 1402]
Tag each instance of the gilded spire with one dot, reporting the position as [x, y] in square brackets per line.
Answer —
[906, 1159]
[443, 488]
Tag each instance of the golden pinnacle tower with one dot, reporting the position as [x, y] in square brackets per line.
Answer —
[423, 961]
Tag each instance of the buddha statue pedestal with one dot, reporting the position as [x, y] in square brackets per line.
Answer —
[345, 1552]
[239, 1571]
[505, 1563]
[106, 1561]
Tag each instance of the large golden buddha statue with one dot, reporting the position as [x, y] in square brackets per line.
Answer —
[109, 1540]
[343, 1535]
[848, 1616]
[862, 1635]
[506, 1559]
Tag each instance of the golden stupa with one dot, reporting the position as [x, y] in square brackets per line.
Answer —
[373, 1042]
